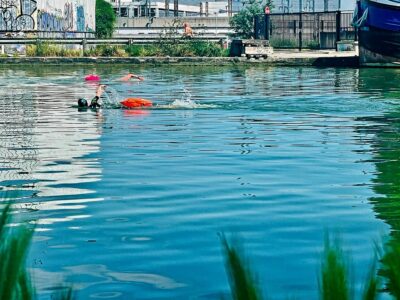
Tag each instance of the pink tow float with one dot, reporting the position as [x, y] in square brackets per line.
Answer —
[92, 77]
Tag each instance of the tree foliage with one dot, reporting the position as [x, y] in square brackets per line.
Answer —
[105, 19]
[243, 22]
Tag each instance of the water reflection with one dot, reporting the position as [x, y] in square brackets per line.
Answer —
[98, 275]
[46, 152]
[18, 152]
[384, 131]
[277, 154]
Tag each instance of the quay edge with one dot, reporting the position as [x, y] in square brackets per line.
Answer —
[291, 59]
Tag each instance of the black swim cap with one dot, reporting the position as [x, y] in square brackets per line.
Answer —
[82, 102]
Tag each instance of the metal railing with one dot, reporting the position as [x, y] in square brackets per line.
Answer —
[318, 30]
[113, 41]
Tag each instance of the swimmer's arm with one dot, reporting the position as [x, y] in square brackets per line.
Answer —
[129, 76]
[100, 90]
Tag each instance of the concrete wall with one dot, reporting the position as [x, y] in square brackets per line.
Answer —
[161, 22]
[47, 15]
[200, 25]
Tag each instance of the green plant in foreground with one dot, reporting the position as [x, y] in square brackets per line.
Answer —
[15, 280]
[391, 267]
[241, 279]
[371, 287]
[334, 283]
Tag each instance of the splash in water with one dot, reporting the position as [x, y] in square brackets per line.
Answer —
[185, 102]
[110, 98]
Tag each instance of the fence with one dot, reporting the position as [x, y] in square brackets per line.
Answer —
[306, 30]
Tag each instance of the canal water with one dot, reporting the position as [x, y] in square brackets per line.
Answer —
[130, 203]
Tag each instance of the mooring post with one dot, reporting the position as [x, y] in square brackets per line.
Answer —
[255, 27]
[267, 22]
[267, 27]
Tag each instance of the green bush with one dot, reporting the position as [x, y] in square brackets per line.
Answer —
[184, 47]
[312, 45]
[283, 43]
[106, 50]
[243, 22]
[46, 50]
[203, 48]
[105, 19]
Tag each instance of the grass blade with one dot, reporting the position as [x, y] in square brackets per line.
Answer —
[371, 288]
[242, 282]
[334, 282]
[391, 267]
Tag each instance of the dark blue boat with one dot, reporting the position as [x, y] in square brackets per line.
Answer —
[379, 32]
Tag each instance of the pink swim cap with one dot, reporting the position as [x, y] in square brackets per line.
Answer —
[92, 77]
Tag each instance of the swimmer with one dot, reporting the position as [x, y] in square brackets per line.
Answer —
[82, 102]
[130, 76]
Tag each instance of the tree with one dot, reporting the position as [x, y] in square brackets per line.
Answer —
[243, 22]
[105, 19]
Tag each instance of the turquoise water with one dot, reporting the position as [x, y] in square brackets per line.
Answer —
[130, 203]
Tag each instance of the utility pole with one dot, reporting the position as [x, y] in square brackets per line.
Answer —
[301, 25]
[167, 8]
[119, 8]
[339, 4]
[176, 8]
[229, 8]
[149, 9]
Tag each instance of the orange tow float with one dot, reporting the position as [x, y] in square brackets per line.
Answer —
[136, 102]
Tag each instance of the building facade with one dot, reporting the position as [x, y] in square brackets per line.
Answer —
[294, 6]
[44, 16]
[166, 8]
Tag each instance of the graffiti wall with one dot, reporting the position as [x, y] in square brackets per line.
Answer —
[47, 15]
[18, 15]
[66, 15]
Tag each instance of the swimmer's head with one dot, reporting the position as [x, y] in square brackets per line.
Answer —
[82, 102]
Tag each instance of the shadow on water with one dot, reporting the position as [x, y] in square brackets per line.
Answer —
[385, 143]
[385, 130]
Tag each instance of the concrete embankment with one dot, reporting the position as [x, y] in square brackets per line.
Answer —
[279, 58]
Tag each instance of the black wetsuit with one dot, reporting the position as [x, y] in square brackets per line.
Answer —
[94, 103]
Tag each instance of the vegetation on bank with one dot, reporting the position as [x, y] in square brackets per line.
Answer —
[185, 47]
[105, 19]
[335, 282]
[288, 43]
[243, 22]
